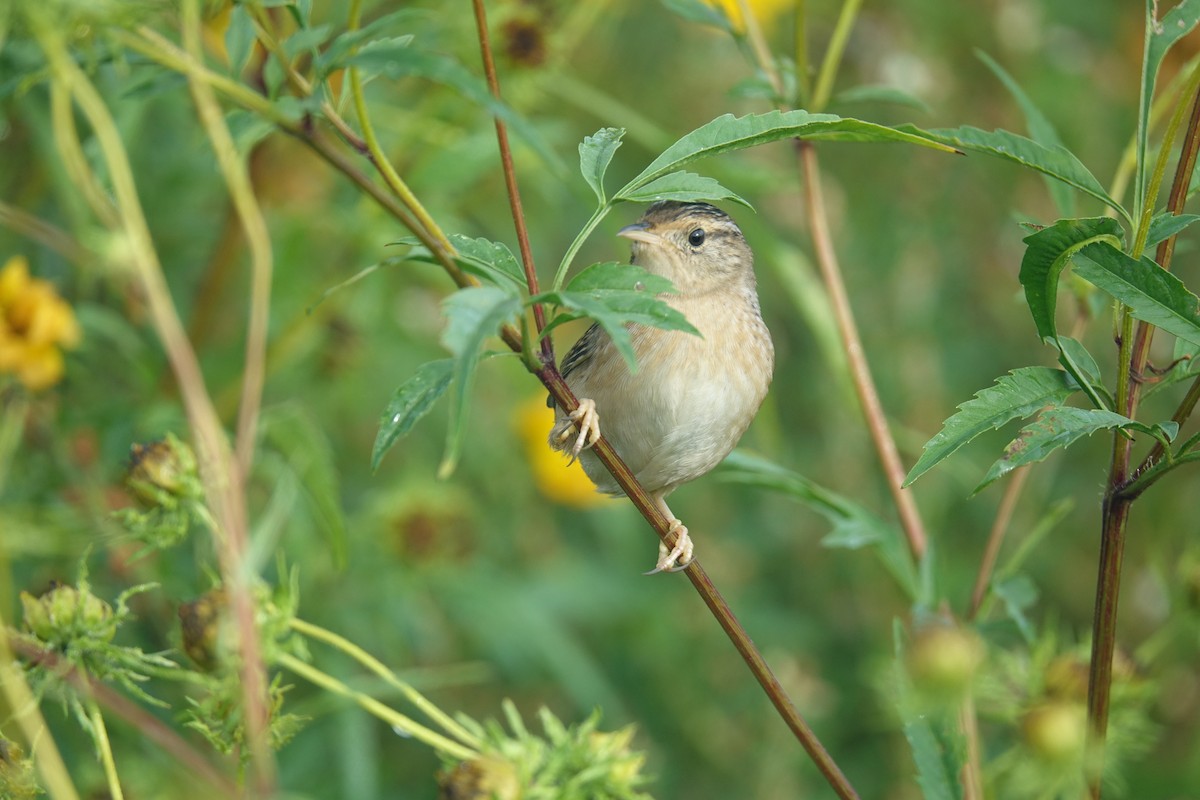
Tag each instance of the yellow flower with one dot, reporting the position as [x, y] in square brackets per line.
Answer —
[567, 485]
[764, 10]
[35, 324]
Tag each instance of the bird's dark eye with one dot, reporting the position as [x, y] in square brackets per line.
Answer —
[696, 237]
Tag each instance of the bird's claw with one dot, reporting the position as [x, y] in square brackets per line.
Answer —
[587, 420]
[677, 558]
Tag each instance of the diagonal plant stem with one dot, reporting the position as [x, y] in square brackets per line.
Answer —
[510, 181]
[1115, 518]
[833, 54]
[241, 193]
[860, 371]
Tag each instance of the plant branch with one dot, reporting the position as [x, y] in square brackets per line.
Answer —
[1008, 504]
[104, 749]
[860, 371]
[833, 55]
[758, 44]
[510, 181]
[258, 239]
[44, 233]
[1133, 356]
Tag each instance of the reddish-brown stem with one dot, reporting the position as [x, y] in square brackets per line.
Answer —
[1117, 505]
[860, 370]
[510, 180]
[712, 598]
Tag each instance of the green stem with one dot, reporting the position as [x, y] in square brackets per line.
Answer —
[400, 722]
[573, 250]
[375, 665]
[803, 76]
[104, 749]
[833, 55]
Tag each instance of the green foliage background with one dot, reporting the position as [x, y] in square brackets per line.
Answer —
[476, 587]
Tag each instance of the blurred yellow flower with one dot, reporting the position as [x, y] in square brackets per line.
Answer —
[35, 324]
[567, 485]
[764, 10]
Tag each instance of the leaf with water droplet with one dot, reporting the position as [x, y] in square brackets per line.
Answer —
[409, 403]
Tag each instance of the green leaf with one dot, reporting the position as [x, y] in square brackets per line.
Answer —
[615, 295]
[1160, 36]
[700, 12]
[239, 38]
[1018, 594]
[854, 527]
[304, 445]
[1151, 293]
[1056, 162]
[1054, 429]
[1041, 130]
[1019, 394]
[687, 187]
[407, 62]
[595, 154]
[490, 261]
[1163, 226]
[727, 133]
[1047, 253]
[334, 56]
[306, 39]
[472, 315]
[1084, 362]
[879, 93]
[411, 401]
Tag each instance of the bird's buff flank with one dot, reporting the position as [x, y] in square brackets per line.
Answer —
[692, 397]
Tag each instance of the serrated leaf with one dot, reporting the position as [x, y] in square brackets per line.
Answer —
[854, 526]
[298, 437]
[595, 154]
[333, 57]
[687, 187]
[1151, 293]
[1081, 358]
[727, 133]
[412, 400]
[1163, 226]
[472, 315]
[879, 93]
[1054, 429]
[1056, 162]
[491, 261]
[1041, 130]
[1019, 394]
[1047, 253]
[614, 295]
[239, 38]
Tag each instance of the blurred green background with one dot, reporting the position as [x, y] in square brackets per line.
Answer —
[480, 587]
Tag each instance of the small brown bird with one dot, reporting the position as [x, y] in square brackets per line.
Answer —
[692, 397]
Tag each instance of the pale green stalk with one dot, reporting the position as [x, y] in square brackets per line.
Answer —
[375, 665]
[400, 722]
[572, 251]
[104, 749]
[241, 192]
[833, 55]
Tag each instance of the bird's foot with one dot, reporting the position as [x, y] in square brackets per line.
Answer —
[677, 558]
[587, 420]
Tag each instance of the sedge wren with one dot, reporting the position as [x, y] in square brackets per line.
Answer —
[692, 397]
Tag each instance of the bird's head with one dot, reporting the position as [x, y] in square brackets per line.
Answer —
[697, 246]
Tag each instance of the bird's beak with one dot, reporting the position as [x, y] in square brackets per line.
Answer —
[638, 232]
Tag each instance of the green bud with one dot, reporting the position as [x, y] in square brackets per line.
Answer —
[1056, 731]
[943, 659]
[486, 778]
[64, 614]
[162, 473]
